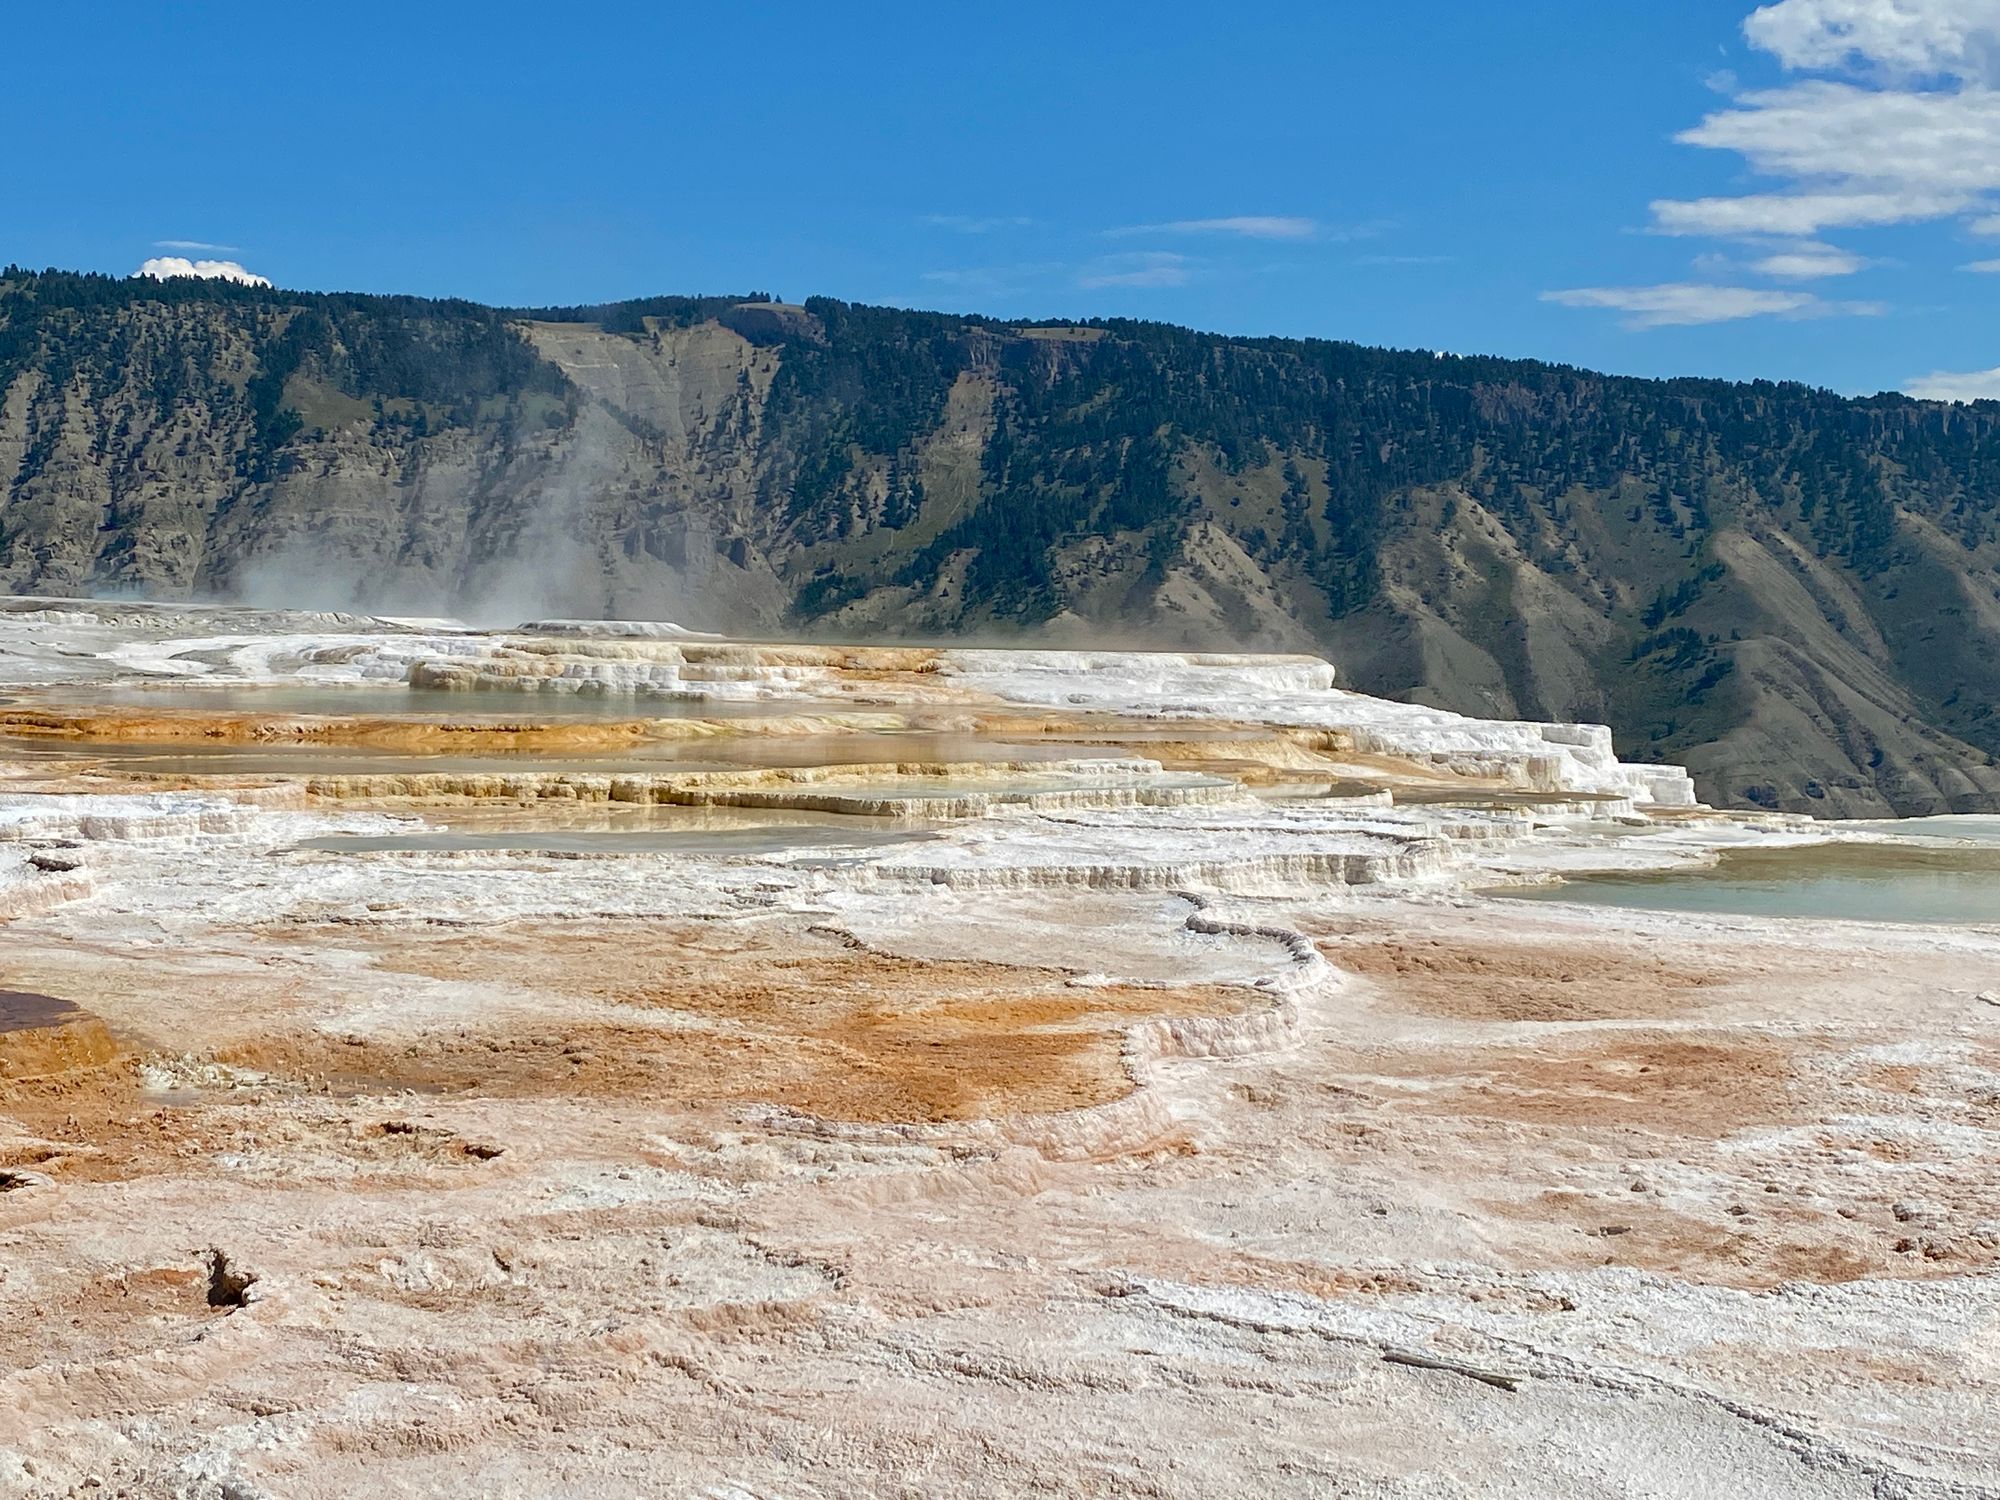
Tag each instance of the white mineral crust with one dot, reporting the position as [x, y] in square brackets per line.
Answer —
[1100, 1128]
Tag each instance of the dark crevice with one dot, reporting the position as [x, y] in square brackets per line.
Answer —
[228, 1287]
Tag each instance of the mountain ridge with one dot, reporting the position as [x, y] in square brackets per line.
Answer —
[1793, 593]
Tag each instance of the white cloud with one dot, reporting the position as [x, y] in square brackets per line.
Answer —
[1853, 156]
[1146, 268]
[1682, 304]
[1906, 39]
[1249, 226]
[1990, 267]
[1944, 385]
[161, 267]
[1937, 141]
[1808, 260]
[1911, 133]
[1795, 213]
[1892, 117]
[191, 245]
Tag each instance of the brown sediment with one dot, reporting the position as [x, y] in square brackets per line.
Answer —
[83, 1115]
[1239, 753]
[32, 1052]
[1779, 1241]
[841, 1033]
[1256, 755]
[1499, 980]
[42, 1035]
[1277, 1275]
[522, 732]
[1618, 1102]
[1693, 1086]
[109, 1316]
[838, 1073]
[844, 1035]
[678, 1015]
[843, 784]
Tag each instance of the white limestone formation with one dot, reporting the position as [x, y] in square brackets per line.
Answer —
[1101, 1072]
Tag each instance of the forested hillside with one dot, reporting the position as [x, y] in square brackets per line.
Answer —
[1795, 594]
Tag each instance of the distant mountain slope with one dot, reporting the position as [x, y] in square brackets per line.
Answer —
[1794, 594]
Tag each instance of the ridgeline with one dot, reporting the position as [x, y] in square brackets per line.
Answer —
[1794, 594]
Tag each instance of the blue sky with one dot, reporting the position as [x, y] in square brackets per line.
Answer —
[1477, 177]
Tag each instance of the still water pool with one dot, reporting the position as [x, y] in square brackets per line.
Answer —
[687, 831]
[1848, 882]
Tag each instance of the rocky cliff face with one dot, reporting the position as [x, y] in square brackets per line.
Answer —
[1795, 595]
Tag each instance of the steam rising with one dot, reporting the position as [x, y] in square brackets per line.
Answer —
[554, 549]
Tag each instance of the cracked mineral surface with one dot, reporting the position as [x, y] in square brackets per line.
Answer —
[600, 1060]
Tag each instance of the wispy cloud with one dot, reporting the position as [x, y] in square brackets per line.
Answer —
[1808, 260]
[1144, 268]
[1683, 304]
[1890, 115]
[1945, 385]
[1800, 213]
[192, 245]
[977, 223]
[1988, 267]
[1244, 226]
[161, 267]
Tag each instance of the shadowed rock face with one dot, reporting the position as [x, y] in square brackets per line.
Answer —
[1789, 593]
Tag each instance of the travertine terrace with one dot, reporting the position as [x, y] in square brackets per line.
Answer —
[594, 1059]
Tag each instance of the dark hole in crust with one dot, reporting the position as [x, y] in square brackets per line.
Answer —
[227, 1287]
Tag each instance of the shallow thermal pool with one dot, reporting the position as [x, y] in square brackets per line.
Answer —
[768, 839]
[1891, 882]
[1983, 828]
[636, 830]
[725, 752]
[400, 699]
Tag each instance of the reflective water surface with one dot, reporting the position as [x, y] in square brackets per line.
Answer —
[728, 752]
[400, 699]
[1980, 827]
[630, 830]
[1851, 882]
